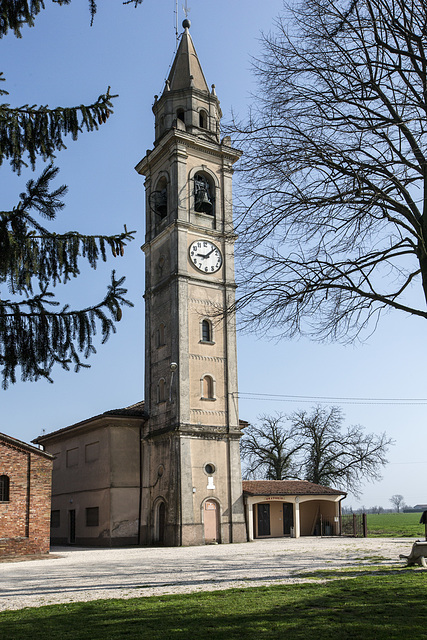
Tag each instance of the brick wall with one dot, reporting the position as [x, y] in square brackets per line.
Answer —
[25, 518]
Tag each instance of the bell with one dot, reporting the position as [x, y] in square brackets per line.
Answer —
[203, 204]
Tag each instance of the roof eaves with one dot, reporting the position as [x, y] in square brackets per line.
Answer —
[24, 446]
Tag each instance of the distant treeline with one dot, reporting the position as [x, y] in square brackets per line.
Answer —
[378, 510]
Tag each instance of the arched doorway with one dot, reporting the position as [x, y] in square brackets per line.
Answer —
[211, 521]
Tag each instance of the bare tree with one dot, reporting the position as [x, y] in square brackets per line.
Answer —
[335, 159]
[268, 450]
[337, 456]
[398, 501]
[313, 446]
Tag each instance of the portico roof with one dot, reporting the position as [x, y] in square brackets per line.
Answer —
[286, 488]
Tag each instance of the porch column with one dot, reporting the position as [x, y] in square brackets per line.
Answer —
[250, 512]
[297, 527]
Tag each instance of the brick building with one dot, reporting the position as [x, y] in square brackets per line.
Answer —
[25, 493]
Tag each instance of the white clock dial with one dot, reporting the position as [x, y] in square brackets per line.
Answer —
[205, 256]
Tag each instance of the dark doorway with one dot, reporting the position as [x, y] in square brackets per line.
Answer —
[288, 518]
[263, 519]
[72, 526]
[161, 515]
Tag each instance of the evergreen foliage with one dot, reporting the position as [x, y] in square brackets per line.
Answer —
[14, 14]
[34, 334]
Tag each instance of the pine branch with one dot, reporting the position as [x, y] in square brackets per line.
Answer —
[14, 14]
[31, 131]
[33, 336]
[35, 339]
[30, 253]
[3, 92]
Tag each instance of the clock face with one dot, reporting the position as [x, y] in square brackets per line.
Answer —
[205, 256]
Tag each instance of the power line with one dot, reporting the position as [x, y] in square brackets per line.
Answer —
[270, 397]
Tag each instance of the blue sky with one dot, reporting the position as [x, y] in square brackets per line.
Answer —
[64, 61]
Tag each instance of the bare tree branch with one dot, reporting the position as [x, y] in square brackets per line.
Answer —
[314, 447]
[335, 170]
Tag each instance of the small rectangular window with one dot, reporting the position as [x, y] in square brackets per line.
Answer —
[4, 488]
[73, 457]
[92, 452]
[55, 519]
[92, 516]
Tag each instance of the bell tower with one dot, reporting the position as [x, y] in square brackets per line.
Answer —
[191, 477]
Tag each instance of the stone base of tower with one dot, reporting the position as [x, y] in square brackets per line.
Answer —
[239, 532]
[194, 535]
[171, 537]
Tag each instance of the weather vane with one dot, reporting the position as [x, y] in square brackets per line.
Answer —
[186, 10]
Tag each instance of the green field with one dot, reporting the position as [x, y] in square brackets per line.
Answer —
[374, 605]
[399, 525]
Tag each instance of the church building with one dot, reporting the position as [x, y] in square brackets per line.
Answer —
[167, 470]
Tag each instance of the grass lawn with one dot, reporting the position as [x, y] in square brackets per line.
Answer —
[399, 525]
[383, 606]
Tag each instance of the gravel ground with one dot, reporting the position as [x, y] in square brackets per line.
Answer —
[73, 574]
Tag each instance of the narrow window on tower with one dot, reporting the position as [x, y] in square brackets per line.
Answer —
[180, 114]
[208, 388]
[159, 200]
[161, 390]
[203, 119]
[206, 331]
[161, 335]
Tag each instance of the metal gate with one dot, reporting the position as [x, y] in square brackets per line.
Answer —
[354, 525]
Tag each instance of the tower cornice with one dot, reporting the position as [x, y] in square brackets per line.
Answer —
[174, 137]
[215, 234]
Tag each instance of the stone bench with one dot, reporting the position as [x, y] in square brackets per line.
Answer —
[418, 555]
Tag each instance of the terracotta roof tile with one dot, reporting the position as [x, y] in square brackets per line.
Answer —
[19, 444]
[136, 409]
[286, 487]
[133, 411]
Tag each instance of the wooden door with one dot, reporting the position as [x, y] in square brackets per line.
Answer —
[211, 521]
[263, 519]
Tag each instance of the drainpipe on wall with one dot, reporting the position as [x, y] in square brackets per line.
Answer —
[140, 487]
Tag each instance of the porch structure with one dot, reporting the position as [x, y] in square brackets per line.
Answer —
[291, 508]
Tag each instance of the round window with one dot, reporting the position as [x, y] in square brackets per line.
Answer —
[209, 468]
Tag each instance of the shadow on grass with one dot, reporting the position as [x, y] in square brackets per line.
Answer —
[339, 574]
[371, 607]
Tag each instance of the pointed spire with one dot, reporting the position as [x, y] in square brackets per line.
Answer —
[186, 70]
